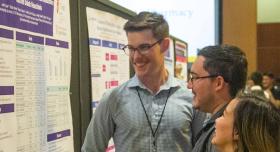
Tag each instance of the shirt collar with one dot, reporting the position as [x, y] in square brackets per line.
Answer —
[170, 83]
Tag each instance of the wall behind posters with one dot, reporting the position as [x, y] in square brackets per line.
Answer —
[193, 21]
[240, 28]
[267, 11]
[268, 36]
[35, 68]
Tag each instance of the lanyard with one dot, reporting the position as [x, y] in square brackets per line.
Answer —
[149, 122]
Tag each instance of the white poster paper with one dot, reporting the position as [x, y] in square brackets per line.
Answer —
[109, 64]
[35, 60]
[181, 50]
[8, 123]
[169, 58]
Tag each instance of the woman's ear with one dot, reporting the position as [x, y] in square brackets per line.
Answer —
[164, 44]
[235, 135]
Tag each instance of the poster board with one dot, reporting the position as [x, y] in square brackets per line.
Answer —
[35, 48]
[181, 51]
[109, 64]
[84, 76]
[169, 58]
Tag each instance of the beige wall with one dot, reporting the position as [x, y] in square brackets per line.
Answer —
[239, 28]
[268, 11]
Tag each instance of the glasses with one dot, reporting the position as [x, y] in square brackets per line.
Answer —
[142, 49]
[192, 78]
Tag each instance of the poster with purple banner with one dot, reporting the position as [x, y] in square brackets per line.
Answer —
[31, 15]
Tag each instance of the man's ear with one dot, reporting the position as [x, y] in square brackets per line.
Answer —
[164, 45]
[220, 82]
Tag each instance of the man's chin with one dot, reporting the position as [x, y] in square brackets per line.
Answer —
[195, 106]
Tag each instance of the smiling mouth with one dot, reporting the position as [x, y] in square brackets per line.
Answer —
[139, 65]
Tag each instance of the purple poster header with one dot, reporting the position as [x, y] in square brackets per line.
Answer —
[109, 44]
[7, 108]
[6, 33]
[29, 38]
[7, 90]
[57, 43]
[31, 15]
[58, 135]
[94, 41]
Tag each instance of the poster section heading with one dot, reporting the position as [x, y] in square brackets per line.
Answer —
[30, 15]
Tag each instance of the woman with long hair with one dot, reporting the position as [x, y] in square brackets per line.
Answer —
[249, 124]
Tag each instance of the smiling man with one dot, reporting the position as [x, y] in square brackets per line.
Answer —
[216, 76]
[150, 112]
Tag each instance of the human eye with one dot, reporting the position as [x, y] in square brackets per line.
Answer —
[130, 48]
[144, 47]
[192, 77]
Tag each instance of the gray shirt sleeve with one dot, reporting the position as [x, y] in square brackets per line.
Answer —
[101, 127]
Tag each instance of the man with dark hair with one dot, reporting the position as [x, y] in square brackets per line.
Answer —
[257, 78]
[267, 81]
[150, 112]
[216, 76]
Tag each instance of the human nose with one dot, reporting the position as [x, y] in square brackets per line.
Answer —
[189, 84]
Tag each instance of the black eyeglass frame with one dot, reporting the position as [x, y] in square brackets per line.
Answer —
[146, 47]
[202, 77]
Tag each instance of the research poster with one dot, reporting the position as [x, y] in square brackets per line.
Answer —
[109, 64]
[8, 121]
[169, 58]
[181, 60]
[35, 64]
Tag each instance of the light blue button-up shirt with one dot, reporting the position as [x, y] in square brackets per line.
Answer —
[121, 116]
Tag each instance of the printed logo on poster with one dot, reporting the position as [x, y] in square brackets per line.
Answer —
[31, 15]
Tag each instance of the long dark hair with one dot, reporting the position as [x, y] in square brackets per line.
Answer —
[257, 123]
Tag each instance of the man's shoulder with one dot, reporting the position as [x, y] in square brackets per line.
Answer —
[204, 144]
[112, 98]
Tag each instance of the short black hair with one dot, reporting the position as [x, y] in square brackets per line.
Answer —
[227, 61]
[257, 78]
[269, 74]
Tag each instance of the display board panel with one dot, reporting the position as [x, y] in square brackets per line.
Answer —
[35, 69]
[181, 51]
[169, 58]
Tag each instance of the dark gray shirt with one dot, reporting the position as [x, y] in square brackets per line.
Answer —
[204, 137]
